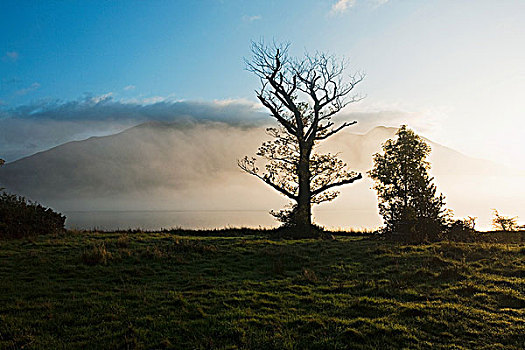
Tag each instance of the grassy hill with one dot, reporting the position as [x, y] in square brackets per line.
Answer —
[216, 290]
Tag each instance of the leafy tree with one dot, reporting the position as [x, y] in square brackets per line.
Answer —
[407, 196]
[504, 223]
[302, 95]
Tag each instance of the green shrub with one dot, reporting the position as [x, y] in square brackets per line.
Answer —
[461, 229]
[20, 217]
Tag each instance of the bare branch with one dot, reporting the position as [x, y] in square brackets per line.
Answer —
[277, 115]
[335, 184]
[248, 165]
[335, 131]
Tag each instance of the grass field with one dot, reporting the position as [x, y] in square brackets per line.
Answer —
[163, 290]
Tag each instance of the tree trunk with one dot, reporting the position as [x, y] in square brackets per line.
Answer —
[304, 206]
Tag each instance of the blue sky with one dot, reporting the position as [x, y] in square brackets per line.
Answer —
[187, 49]
[453, 70]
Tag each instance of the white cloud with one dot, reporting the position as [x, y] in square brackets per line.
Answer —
[341, 6]
[27, 90]
[237, 101]
[102, 98]
[154, 99]
[251, 18]
[129, 87]
[147, 100]
[41, 125]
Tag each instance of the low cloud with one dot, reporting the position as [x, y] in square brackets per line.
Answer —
[102, 98]
[36, 127]
[129, 87]
[233, 101]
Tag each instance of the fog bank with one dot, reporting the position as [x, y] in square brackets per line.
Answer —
[191, 166]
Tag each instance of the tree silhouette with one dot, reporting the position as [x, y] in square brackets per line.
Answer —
[303, 96]
[407, 196]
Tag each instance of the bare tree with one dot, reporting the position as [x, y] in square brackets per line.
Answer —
[303, 96]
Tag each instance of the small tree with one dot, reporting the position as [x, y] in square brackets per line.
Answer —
[504, 223]
[407, 196]
[303, 96]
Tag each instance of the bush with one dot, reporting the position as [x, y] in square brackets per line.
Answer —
[287, 216]
[20, 217]
[98, 254]
[461, 229]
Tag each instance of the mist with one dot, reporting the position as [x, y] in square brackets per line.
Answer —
[36, 127]
[191, 165]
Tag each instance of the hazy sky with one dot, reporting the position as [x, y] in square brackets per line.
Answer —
[453, 69]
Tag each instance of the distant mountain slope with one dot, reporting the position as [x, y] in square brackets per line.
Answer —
[189, 166]
[358, 149]
[148, 155]
[183, 155]
[136, 167]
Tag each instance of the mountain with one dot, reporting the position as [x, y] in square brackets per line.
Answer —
[192, 166]
[359, 148]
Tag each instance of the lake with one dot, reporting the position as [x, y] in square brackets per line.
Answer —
[156, 220]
